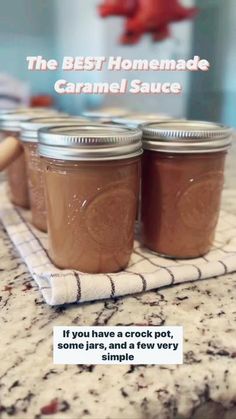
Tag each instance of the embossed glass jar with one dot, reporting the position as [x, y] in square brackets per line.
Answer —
[29, 137]
[182, 181]
[16, 172]
[91, 182]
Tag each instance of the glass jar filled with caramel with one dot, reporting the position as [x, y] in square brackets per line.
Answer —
[135, 120]
[16, 171]
[105, 115]
[92, 177]
[182, 180]
[29, 137]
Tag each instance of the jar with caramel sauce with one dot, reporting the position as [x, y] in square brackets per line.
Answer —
[29, 137]
[92, 175]
[104, 115]
[16, 171]
[135, 120]
[182, 180]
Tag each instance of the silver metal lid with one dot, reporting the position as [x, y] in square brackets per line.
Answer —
[186, 137]
[11, 121]
[90, 142]
[30, 128]
[138, 119]
[17, 109]
[105, 114]
[7, 110]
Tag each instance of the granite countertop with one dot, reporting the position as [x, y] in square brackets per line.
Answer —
[203, 388]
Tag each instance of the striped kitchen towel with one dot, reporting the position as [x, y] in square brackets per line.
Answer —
[146, 270]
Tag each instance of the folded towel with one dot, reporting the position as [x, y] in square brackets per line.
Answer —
[146, 270]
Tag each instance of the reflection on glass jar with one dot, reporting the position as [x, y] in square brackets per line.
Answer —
[182, 181]
[29, 137]
[91, 195]
[17, 178]
[36, 186]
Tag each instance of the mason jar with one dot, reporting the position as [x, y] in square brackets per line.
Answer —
[138, 119]
[16, 171]
[105, 115]
[92, 177]
[182, 180]
[29, 137]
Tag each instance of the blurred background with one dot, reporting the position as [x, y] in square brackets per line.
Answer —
[54, 28]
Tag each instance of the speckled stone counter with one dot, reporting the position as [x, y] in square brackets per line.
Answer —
[203, 388]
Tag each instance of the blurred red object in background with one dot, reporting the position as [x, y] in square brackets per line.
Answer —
[44, 101]
[146, 16]
[118, 8]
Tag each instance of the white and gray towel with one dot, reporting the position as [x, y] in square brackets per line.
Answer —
[146, 270]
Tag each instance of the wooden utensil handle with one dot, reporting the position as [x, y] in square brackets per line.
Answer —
[10, 149]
